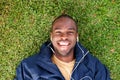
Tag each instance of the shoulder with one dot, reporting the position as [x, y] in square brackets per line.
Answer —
[31, 59]
[93, 62]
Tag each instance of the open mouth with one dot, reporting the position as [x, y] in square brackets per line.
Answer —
[63, 43]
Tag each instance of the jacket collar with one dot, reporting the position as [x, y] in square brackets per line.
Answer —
[80, 52]
[46, 51]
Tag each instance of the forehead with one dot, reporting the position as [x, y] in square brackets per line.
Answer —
[65, 23]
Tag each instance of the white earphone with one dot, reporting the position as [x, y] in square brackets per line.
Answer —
[77, 39]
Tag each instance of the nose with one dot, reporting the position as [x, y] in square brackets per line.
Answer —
[64, 36]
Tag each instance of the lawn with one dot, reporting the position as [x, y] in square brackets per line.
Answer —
[25, 26]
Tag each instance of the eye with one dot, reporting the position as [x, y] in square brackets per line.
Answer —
[70, 32]
[57, 32]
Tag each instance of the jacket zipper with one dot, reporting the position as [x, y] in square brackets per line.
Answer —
[77, 64]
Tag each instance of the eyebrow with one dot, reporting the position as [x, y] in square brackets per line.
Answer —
[72, 28]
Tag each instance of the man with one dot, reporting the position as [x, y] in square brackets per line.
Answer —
[64, 58]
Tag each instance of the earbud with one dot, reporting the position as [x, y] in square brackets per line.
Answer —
[77, 39]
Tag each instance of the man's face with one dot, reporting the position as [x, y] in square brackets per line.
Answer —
[63, 36]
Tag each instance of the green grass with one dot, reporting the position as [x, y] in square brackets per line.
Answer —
[25, 25]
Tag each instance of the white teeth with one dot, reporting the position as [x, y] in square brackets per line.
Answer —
[63, 43]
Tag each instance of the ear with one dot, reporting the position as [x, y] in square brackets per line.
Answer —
[50, 38]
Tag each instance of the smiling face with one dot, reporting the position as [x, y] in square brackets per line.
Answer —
[63, 37]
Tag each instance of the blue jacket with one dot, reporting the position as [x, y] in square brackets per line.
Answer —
[40, 66]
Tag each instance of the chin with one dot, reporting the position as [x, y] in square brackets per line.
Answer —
[64, 53]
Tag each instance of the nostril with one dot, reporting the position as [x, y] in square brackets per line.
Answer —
[64, 38]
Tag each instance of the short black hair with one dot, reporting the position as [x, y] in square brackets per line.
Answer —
[65, 16]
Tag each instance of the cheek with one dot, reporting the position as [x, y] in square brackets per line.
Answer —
[54, 39]
[73, 38]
